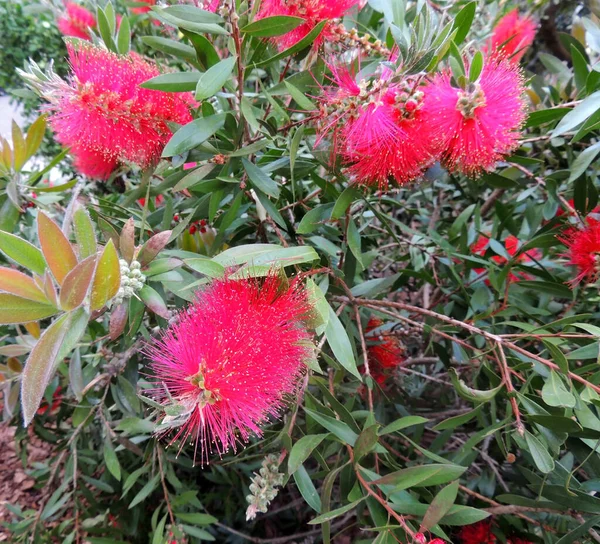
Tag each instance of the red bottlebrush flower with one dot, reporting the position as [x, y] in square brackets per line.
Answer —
[480, 125]
[384, 352]
[477, 533]
[57, 398]
[513, 35]
[76, 21]
[584, 250]
[143, 9]
[230, 359]
[158, 200]
[106, 117]
[511, 244]
[561, 211]
[380, 131]
[312, 11]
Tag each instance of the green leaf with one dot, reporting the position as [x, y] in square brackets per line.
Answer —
[422, 476]
[196, 518]
[457, 421]
[476, 66]
[57, 250]
[402, 423]
[105, 31]
[298, 46]
[107, 279]
[173, 82]
[55, 343]
[575, 535]
[22, 252]
[338, 428]
[340, 345]
[343, 202]
[272, 26]
[112, 463]
[542, 459]
[35, 135]
[470, 394]
[124, 36]
[172, 47]
[366, 442]
[578, 115]
[555, 393]
[154, 301]
[260, 179]
[193, 134]
[353, 237]
[84, 233]
[14, 309]
[145, 491]
[583, 160]
[300, 98]
[463, 22]
[302, 450]
[440, 506]
[211, 81]
[307, 488]
[332, 514]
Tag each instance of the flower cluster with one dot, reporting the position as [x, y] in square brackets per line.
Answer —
[513, 35]
[481, 533]
[226, 364]
[263, 488]
[584, 250]
[105, 117]
[312, 11]
[387, 129]
[76, 21]
[132, 280]
[511, 245]
[384, 352]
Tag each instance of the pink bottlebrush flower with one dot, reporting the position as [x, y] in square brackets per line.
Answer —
[513, 35]
[584, 250]
[93, 164]
[511, 244]
[312, 11]
[480, 125]
[230, 359]
[106, 117]
[76, 21]
[378, 127]
[210, 5]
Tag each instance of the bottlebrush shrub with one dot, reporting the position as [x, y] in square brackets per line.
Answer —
[327, 272]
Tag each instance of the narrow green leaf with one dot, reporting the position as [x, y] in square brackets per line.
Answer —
[211, 81]
[555, 393]
[307, 488]
[260, 179]
[272, 26]
[22, 252]
[193, 134]
[84, 233]
[55, 343]
[302, 450]
[340, 345]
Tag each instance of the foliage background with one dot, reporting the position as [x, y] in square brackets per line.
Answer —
[444, 432]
